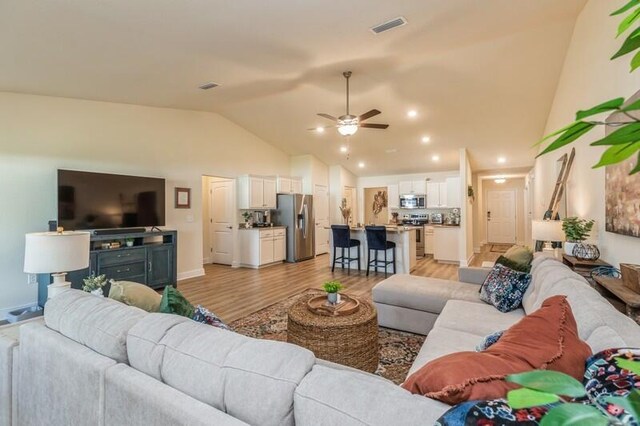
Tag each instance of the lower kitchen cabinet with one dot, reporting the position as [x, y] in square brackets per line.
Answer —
[262, 246]
[446, 243]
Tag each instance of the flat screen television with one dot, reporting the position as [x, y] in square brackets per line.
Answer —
[89, 200]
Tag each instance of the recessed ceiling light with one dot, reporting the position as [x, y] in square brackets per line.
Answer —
[502, 160]
[320, 129]
[500, 180]
[344, 149]
[361, 164]
[208, 85]
[426, 139]
[412, 113]
[435, 158]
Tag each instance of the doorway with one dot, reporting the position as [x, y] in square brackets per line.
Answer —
[501, 216]
[219, 220]
[321, 207]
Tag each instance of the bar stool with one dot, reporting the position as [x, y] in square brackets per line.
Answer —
[377, 241]
[342, 240]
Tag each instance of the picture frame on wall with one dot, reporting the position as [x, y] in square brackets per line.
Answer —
[183, 198]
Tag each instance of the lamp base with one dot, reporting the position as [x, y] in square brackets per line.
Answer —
[59, 285]
[555, 252]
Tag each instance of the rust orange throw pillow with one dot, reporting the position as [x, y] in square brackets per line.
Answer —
[546, 339]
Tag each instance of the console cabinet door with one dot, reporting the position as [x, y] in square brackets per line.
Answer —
[159, 266]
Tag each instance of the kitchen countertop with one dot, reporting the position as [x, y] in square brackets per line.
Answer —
[439, 225]
[259, 228]
[390, 228]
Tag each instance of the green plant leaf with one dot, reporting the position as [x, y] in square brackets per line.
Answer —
[525, 398]
[631, 403]
[627, 364]
[574, 414]
[633, 106]
[557, 132]
[628, 21]
[635, 62]
[630, 44]
[614, 155]
[548, 381]
[571, 134]
[611, 105]
[623, 9]
[636, 169]
[622, 135]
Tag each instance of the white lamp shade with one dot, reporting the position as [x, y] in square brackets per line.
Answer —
[547, 230]
[51, 252]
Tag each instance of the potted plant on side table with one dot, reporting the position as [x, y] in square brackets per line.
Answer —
[576, 230]
[332, 288]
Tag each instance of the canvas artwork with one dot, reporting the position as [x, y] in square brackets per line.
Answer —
[376, 198]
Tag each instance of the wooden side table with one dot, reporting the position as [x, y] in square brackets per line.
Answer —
[619, 294]
[583, 267]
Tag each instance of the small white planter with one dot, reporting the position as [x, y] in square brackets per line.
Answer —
[568, 247]
[333, 298]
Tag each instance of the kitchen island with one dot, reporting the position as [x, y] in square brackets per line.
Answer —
[404, 237]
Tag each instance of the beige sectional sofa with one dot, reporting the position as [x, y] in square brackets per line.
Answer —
[94, 361]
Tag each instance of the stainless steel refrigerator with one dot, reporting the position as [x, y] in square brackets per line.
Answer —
[295, 211]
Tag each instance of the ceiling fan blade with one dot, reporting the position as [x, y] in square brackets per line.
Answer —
[330, 117]
[368, 115]
[322, 127]
[374, 126]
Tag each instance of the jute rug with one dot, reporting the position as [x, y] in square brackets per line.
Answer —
[397, 349]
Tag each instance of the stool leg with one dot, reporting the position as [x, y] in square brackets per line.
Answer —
[342, 260]
[348, 260]
[335, 254]
[368, 260]
[394, 260]
[358, 248]
[385, 263]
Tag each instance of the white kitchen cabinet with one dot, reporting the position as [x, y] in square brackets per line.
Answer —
[446, 243]
[288, 185]
[442, 190]
[393, 197]
[412, 187]
[262, 246]
[256, 192]
[453, 192]
[433, 195]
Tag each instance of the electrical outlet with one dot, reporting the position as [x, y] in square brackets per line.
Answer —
[32, 279]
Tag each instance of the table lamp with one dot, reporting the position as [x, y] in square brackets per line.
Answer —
[56, 253]
[548, 231]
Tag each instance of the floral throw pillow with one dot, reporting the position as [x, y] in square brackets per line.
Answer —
[492, 413]
[504, 288]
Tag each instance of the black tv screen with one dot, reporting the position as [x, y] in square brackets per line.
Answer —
[89, 200]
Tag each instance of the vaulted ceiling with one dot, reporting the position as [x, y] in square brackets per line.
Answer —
[480, 74]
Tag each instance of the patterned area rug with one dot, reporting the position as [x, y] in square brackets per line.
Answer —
[397, 349]
[500, 248]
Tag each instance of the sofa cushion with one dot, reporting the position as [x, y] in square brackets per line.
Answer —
[504, 288]
[546, 339]
[96, 322]
[250, 379]
[330, 397]
[422, 293]
[519, 254]
[135, 294]
[479, 319]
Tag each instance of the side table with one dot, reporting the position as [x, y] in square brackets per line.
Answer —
[583, 267]
[622, 297]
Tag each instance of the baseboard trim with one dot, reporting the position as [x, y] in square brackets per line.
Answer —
[190, 274]
[5, 311]
[206, 260]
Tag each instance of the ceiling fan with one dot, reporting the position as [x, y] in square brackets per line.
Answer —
[348, 124]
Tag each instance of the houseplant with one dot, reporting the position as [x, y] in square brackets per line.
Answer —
[247, 218]
[129, 242]
[93, 284]
[332, 288]
[576, 230]
[624, 141]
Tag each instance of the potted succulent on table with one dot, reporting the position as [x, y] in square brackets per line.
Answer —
[332, 288]
[576, 230]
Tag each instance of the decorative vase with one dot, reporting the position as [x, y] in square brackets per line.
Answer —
[584, 251]
[129, 243]
[98, 292]
[568, 247]
[333, 298]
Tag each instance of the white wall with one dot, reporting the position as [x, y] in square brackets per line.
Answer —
[311, 170]
[589, 78]
[466, 210]
[41, 134]
[339, 177]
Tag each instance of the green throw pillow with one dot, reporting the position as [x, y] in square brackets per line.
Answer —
[519, 254]
[513, 265]
[135, 294]
[173, 302]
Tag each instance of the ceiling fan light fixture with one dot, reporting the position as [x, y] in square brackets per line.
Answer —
[348, 129]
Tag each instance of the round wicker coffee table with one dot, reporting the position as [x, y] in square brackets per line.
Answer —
[350, 340]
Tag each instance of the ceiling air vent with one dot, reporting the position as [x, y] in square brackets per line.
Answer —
[209, 85]
[389, 25]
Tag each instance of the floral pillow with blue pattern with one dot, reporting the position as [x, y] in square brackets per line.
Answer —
[504, 288]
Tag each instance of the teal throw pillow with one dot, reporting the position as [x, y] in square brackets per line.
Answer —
[173, 302]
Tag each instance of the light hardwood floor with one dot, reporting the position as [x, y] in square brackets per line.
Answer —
[233, 293]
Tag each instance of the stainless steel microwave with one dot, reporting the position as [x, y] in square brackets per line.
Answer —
[412, 201]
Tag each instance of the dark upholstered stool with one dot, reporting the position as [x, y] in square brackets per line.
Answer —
[377, 241]
[342, 240]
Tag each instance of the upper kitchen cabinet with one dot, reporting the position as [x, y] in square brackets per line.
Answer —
[444, 194]
[393, 197]
[256, 192]
[288, 185]
[412, 187]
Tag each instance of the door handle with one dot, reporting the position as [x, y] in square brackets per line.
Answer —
[229, 227]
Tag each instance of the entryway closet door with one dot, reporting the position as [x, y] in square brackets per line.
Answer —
[222, 219]
[501, 216]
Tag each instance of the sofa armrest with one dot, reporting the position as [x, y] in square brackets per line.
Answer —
[473, 275]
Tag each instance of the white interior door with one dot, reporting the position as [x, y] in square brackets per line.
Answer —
[501, 216]
[321, 205]
[222, 219]
[349, 194]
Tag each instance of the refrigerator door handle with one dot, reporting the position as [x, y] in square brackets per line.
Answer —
[304, 223]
